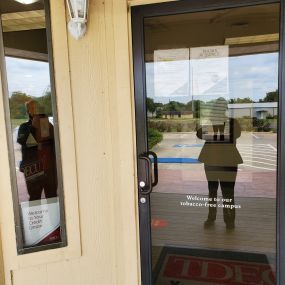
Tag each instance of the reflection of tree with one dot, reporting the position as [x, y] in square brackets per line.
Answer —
[175, 107]
[45, 101]
[153, 107]
[195, 107]
[271, 97]
[150, 105]
[241, 100]
[17, 104]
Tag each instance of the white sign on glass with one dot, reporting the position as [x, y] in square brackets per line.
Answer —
[209, 71]
[171, 72]
[41, 221]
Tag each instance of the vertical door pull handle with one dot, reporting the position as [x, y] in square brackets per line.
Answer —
[146, 186]
[151, 174]
[155, 167]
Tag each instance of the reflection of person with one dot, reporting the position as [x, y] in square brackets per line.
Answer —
[221, 159]
[38, 153]
[218, 117]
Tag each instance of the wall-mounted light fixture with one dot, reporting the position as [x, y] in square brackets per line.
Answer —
[78, 17]
[27, 1]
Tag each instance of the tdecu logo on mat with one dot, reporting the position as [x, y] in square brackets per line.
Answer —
[186, 270]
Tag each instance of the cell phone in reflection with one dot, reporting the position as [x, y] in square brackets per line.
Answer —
[43, 126]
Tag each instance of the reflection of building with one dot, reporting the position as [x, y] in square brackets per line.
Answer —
[257, 110]
[176, 114]
[253, 110]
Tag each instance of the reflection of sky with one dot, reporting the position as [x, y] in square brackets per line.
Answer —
[249, 76]
[28, 76]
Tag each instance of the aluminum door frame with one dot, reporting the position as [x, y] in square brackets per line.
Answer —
[138, 14]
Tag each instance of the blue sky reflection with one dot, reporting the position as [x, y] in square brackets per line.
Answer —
[27, 76]
[249, 76]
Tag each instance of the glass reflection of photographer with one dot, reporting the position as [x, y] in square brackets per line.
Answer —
[38, 153]
[221, 159]
[218, 117]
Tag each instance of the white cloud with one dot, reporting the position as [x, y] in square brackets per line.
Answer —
[28, 76]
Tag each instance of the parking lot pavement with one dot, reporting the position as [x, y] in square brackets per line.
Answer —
[256, 176]
[258, 150]
[183, 226]
[258, 156]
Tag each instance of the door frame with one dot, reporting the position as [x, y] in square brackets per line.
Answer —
[138, 14]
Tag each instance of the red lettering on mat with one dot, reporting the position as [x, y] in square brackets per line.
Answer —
[218, 271]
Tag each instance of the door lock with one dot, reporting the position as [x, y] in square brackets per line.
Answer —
[143, 200]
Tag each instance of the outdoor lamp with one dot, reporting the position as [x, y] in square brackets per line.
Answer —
[78, 17]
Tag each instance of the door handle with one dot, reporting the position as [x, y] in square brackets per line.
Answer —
[155, 167]
[146, 187]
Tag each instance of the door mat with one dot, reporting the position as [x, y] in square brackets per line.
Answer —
[184, 266]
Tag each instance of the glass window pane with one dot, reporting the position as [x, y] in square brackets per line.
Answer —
[212, 101]
[34, 130]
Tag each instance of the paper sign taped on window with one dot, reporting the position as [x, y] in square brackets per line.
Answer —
[210, 71]
[171, 72]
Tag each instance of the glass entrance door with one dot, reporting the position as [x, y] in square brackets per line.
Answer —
[210, 106]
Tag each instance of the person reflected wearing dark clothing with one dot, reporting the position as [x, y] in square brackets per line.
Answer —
[221, 159]
[38, 164]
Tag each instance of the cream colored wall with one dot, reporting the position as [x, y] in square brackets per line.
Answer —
[101, 103]
[2, 274]
[96, 118]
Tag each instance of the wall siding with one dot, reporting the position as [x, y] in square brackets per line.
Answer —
[102, 104]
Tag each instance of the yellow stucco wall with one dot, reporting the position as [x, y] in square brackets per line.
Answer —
[96, 117]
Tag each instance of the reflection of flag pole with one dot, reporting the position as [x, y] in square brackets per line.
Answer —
[190, 84]
[191, 72]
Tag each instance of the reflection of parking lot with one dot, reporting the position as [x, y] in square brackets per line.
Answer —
[258, 150]
[259, 156]
[181, 172]
[255, 225]
[255, 191]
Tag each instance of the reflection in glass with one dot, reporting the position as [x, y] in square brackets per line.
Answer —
[212, 102]
[38, 164]
[221, 159]
[34, 134]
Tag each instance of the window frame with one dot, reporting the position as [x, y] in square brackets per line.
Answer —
[21, 250]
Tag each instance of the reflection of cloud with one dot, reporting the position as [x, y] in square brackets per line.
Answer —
[259, 70]
[28, 76]
[253, 75]
[175, 73]
[249, 76]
